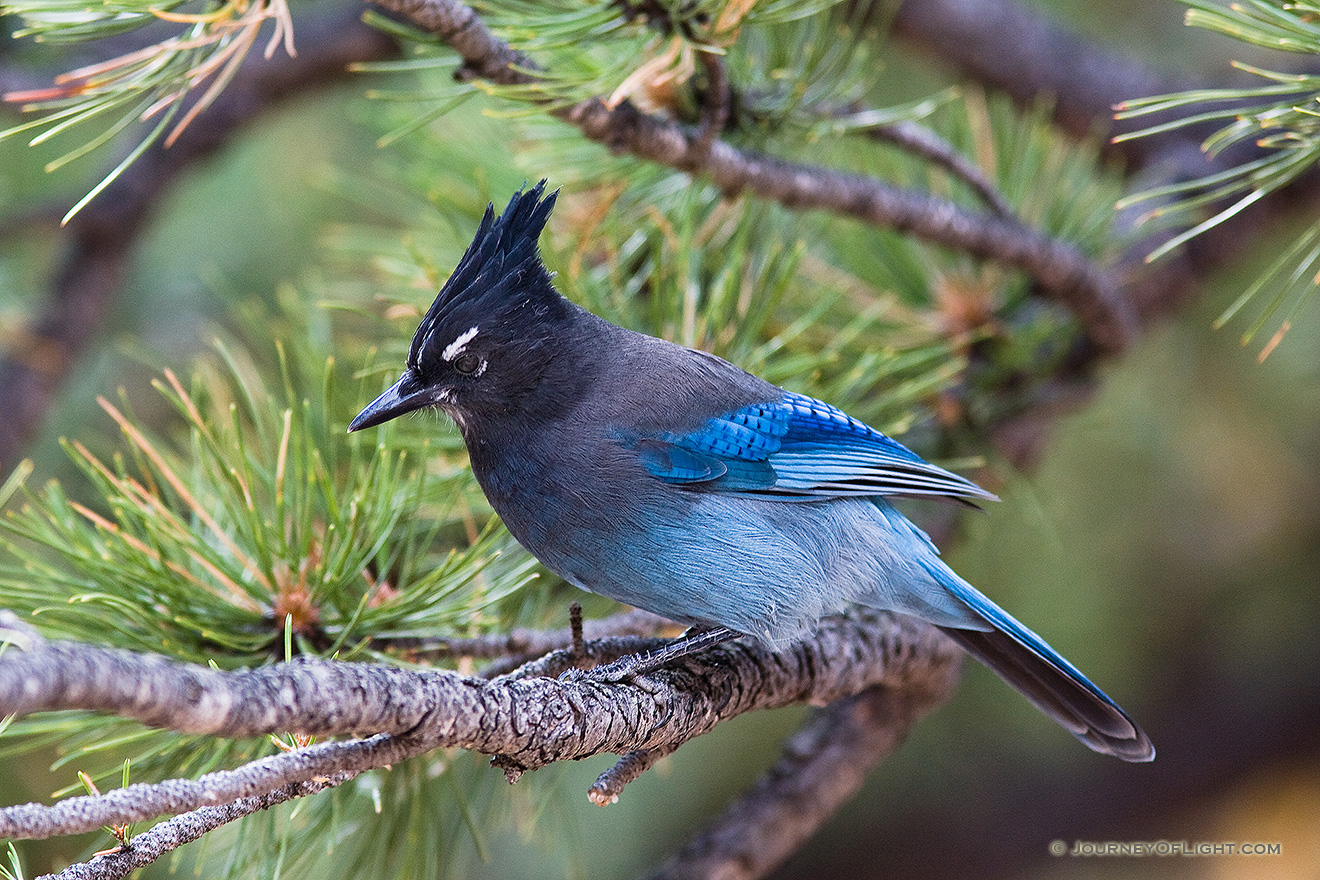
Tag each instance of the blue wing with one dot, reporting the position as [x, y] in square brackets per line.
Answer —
[798, 449]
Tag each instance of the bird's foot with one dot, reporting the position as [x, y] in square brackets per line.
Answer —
[632, 666]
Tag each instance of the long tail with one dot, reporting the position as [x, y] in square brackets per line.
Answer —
[1040, 674]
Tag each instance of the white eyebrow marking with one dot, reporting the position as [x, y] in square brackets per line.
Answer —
[455, 348]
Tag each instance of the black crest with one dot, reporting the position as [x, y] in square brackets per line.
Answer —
[499, 282]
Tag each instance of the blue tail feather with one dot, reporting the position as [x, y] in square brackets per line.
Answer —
[1040, 674]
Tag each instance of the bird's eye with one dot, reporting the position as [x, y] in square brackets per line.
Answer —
[467, 364]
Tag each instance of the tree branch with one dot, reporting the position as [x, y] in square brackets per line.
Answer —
[921, 141]
[1011, 48]
[145, 848]
[823, 766]
[256, 779]
[610, 784]
[1058, 267]
[526, 723]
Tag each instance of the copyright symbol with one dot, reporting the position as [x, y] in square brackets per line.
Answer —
[1058, 848]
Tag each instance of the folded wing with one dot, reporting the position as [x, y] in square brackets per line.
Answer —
[799, 449]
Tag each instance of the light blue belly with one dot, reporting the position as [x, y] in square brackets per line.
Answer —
[768, 569]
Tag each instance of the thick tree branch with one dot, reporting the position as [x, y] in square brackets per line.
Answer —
[1058, 267]
[526, 723]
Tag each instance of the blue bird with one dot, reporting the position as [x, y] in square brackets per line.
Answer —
[673, 481]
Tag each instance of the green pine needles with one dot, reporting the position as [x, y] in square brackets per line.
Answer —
[263, 531]
[1281, 117]
[266, 517]
[147, 87]
[268, 532]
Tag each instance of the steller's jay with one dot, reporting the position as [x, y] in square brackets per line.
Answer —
[671, 480]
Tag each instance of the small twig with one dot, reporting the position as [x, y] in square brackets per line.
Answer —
[173, 833]
[1008, 46]
[610, 784]
[578, 654]
[715, 107]
[522, 646]
[578, 646]
[143, 801]
[594, 652]
[921, 141]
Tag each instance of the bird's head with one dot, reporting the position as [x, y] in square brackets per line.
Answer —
[487, 338]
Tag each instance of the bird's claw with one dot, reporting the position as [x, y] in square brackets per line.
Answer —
[621, 671]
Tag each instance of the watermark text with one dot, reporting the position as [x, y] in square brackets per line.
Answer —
[1140, 849]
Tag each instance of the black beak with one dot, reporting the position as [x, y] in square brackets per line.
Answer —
[409, 394]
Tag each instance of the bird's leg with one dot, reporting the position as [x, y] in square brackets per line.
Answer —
[695, 639]
[578, 643]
